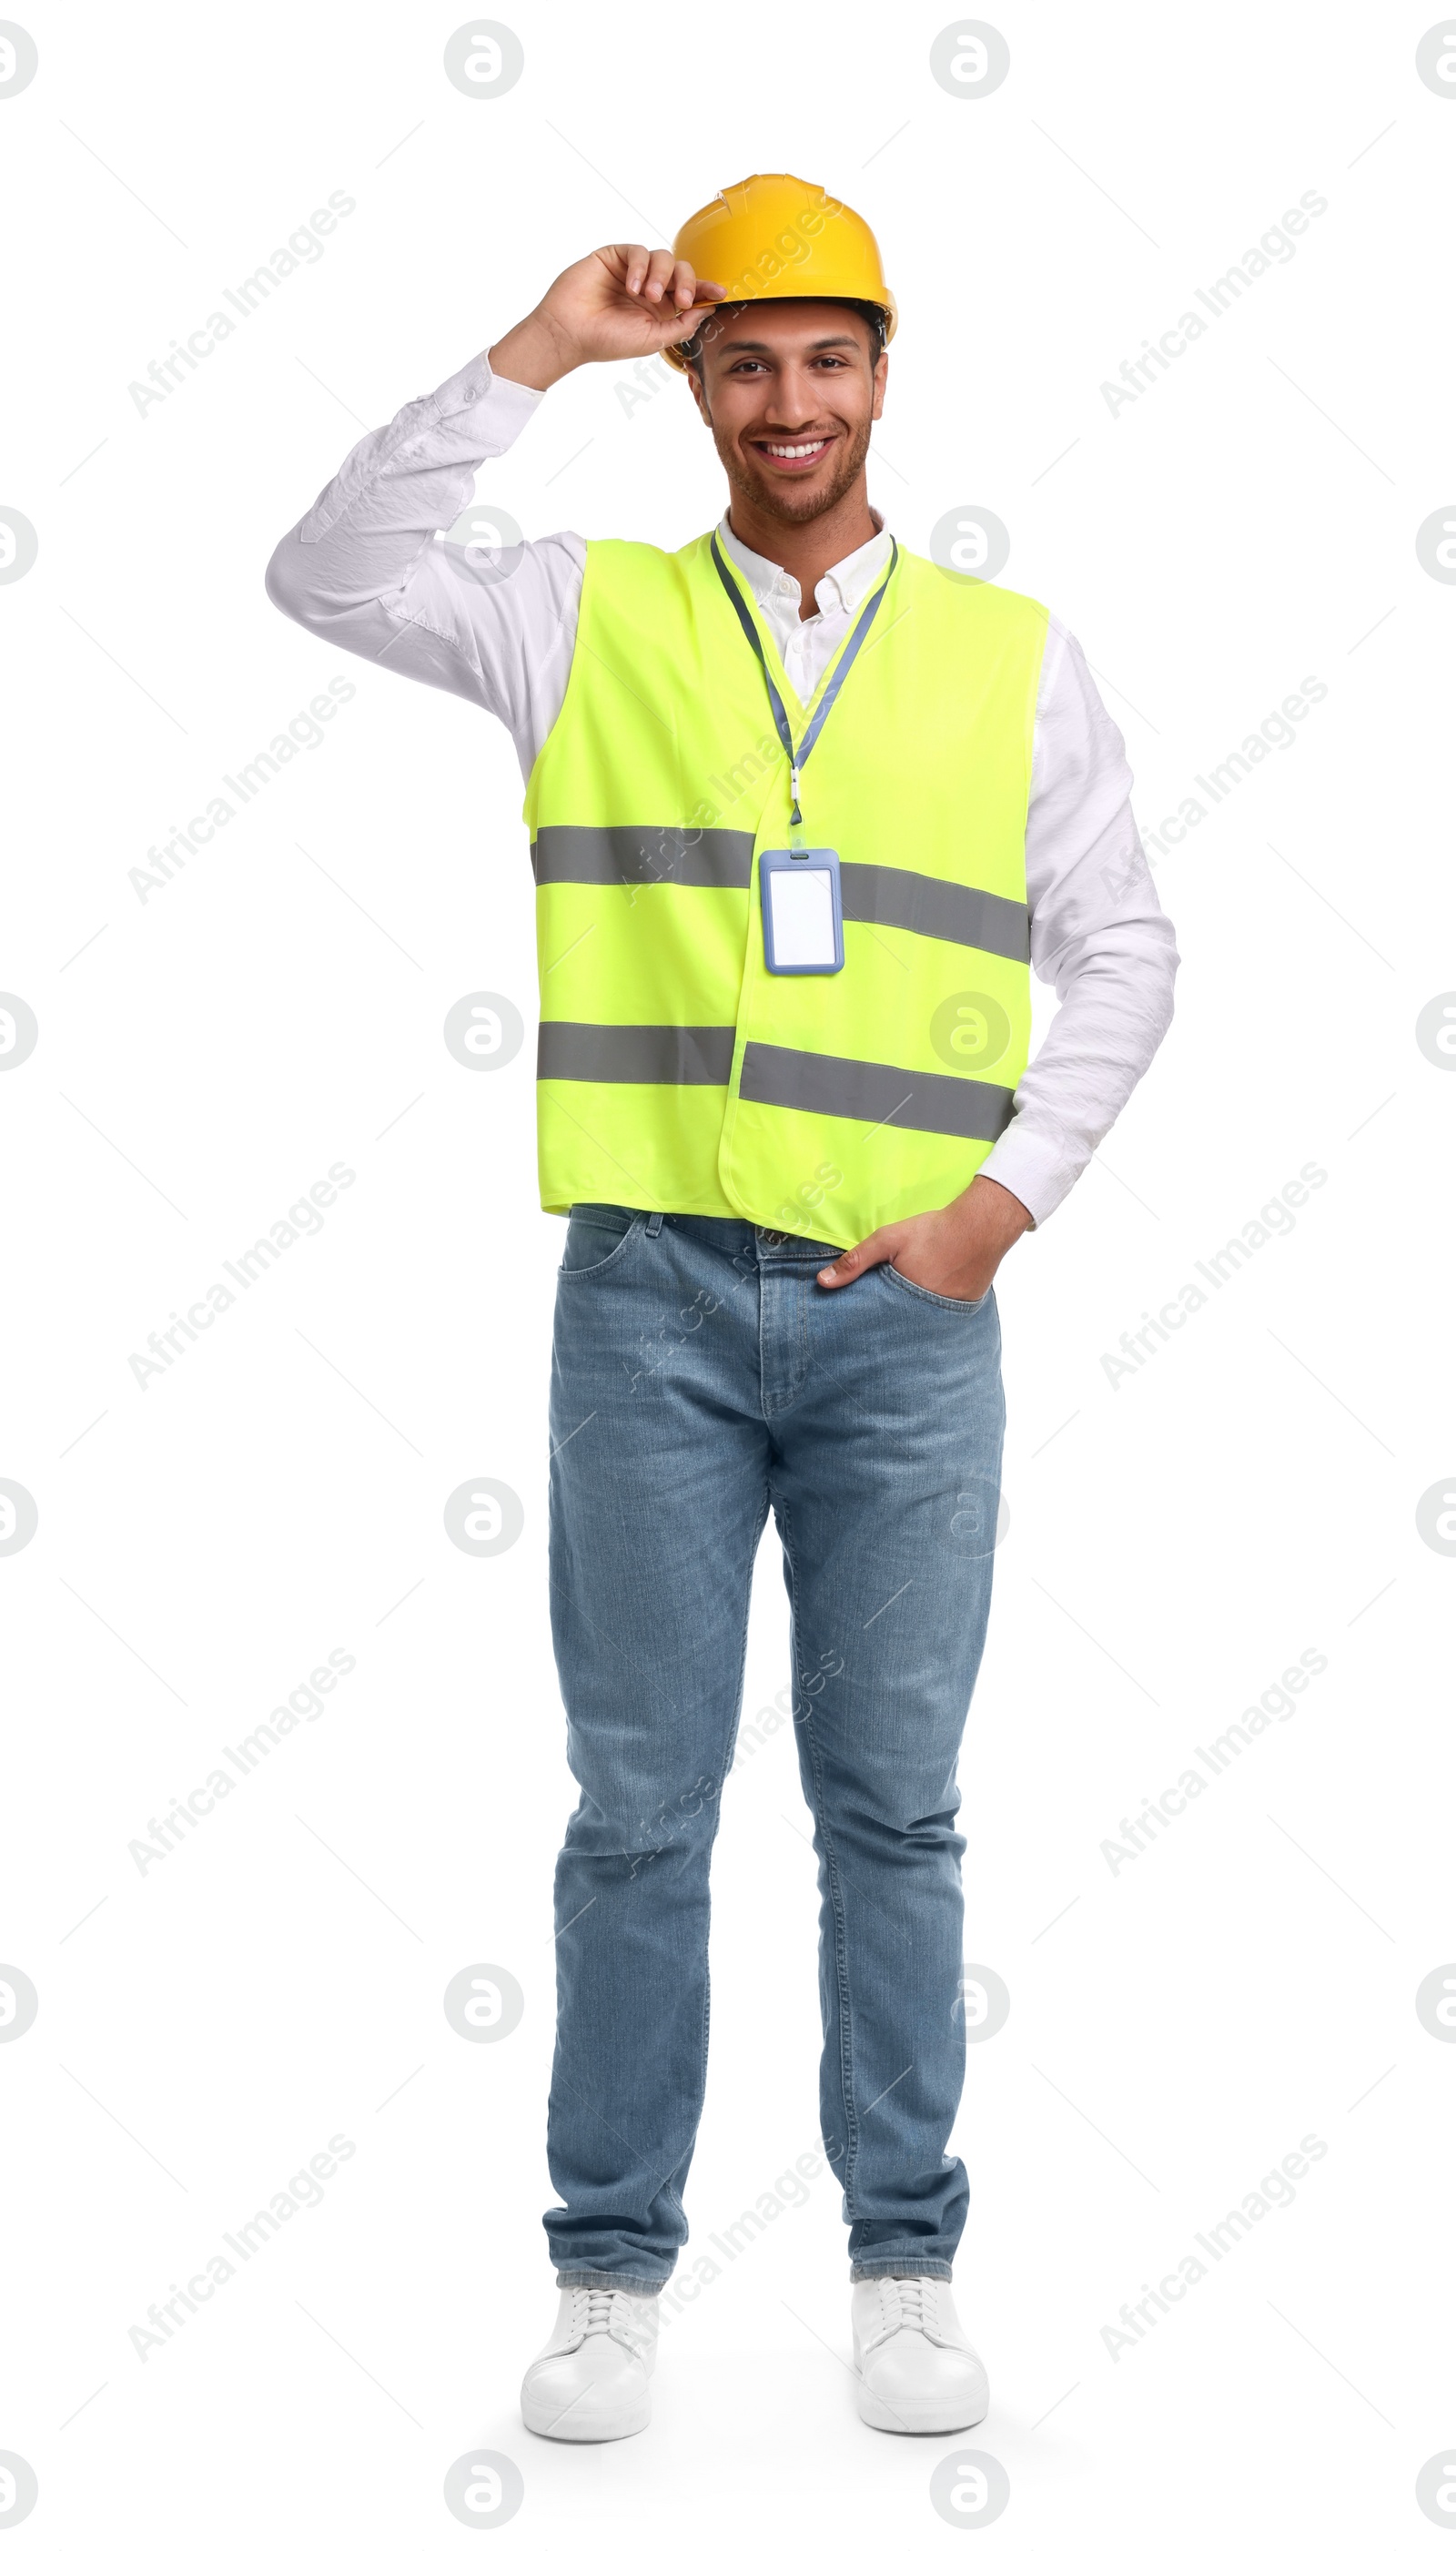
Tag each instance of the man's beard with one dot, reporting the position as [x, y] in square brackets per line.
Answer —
[784, 498]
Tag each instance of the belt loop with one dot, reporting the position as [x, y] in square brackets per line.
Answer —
[654, 1225]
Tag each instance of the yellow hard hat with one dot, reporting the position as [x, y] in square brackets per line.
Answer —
[780, 238]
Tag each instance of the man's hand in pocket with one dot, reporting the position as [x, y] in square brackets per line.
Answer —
[955, 1251]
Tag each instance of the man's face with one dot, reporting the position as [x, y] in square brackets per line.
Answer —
[790, 391]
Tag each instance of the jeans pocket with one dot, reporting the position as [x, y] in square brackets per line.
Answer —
[597, 1236]
[922, 1293]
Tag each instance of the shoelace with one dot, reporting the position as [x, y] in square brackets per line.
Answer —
[910, 2303]
[606, 2311]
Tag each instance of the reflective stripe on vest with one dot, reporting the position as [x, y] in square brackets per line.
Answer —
[920, 1102]
[639, 854]
[649, 854]
[571, 1049]
[674, 1073]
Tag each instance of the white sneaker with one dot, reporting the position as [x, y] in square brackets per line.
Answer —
[918, 2372]
[591, 2380]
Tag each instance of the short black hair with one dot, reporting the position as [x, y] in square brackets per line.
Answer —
[876, 318]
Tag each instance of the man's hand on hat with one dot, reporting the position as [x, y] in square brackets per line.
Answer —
[617, 303]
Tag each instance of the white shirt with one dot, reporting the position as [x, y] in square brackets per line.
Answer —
[368, 569]
[806, 646]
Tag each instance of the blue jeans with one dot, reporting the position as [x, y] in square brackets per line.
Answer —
[700, 1377]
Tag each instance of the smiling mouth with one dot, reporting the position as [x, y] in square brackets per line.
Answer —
[795, 453]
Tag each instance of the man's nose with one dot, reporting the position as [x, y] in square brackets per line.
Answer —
[792, 404]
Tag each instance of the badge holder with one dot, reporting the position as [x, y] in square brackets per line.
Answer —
[803, 926]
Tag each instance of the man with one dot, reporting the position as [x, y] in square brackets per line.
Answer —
[803, 808]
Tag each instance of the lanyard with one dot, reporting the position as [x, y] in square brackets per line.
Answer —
[797, 759]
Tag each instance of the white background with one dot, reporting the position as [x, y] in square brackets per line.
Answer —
[1176, 1541]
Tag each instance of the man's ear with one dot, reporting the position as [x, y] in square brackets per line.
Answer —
[699, 397]
[881, 377]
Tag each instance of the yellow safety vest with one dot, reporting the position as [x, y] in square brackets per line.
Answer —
[674, 1073]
